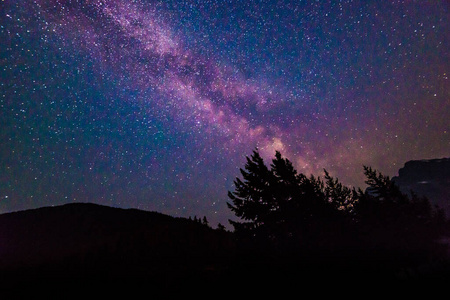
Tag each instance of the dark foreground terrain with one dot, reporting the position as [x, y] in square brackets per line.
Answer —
[83, 245]
[82, 248]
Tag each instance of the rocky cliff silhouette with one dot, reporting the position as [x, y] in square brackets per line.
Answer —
[430, 178]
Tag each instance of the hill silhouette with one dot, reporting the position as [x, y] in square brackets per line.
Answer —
[85, 243]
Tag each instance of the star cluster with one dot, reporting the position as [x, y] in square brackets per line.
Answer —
[154, 104]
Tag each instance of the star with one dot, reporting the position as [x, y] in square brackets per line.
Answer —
[155, 104]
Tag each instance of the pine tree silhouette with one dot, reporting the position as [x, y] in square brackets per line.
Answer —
[287, 214]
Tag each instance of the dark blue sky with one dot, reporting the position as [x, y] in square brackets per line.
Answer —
[155, 104]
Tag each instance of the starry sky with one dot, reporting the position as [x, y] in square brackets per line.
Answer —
[155, 104]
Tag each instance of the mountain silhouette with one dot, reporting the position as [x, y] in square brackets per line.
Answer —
[429, 178]
[86, 243]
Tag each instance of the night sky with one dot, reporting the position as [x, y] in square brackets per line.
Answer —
[155, 104]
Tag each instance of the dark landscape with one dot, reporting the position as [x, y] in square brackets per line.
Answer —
[87, 245]
[82, 246]
[162, 148]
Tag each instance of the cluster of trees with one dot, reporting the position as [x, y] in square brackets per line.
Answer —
[203, 221]
[288, 214]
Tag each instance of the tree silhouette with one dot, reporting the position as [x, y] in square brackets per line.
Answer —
[286, 210]
[221, 227]
[395, 225]
[283, 212]
[252, 199]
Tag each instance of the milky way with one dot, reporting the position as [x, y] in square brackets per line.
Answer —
[155, 104]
